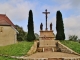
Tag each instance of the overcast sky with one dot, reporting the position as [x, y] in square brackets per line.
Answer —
[17, 11]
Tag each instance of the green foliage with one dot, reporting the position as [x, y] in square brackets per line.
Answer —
[18, 49]
[37, 36]
[30, 35]
[59, 27]
[21, 36]
[6, 58]
[73, 45]
[73, 37]
[25, 36]
[79, 40]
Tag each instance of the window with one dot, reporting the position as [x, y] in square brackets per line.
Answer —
[1, 29]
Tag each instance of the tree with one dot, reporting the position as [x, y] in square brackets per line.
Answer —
[37, 36]
[59, 27]
[25, 36]
[22, 33]
[73, 37]
[30, 35]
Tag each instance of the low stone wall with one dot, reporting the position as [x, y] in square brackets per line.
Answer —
[70, 58]
[33, 48]
[65, 49]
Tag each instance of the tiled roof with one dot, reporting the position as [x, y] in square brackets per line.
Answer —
[4, 20]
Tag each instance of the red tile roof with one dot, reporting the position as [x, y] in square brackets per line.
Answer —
[4, 20]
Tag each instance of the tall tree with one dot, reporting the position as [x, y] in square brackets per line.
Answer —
[30, 35]
[59, 27]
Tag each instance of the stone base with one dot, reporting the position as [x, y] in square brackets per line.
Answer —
[47, 40]
[46, 35]
[47, 43]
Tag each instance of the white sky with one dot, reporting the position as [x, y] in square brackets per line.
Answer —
[17, 11]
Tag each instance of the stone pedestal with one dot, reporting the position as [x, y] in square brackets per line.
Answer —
[47, 39]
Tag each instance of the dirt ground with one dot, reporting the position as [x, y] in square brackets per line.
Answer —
[52, 55]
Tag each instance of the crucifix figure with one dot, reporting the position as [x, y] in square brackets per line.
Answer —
[46, 17]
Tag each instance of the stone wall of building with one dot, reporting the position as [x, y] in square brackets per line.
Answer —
[7, 35]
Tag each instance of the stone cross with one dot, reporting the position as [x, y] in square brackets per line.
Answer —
[46, 16]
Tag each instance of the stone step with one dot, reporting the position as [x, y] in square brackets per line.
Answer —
[47, 49]
[40, 49]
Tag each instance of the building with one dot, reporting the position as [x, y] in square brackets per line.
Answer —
[8, 33]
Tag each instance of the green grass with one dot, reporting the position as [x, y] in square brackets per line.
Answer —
[73, 45]
[18, 49]
[6, 58]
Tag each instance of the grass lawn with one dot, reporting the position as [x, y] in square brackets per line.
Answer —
[18, 49]
[6, 58]
[73, 45]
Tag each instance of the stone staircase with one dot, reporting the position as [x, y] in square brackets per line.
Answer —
[58, 47]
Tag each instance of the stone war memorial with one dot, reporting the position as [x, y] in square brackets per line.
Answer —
[47, 48]
[47, 38]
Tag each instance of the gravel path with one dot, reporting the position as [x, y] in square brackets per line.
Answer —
[52, 55]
